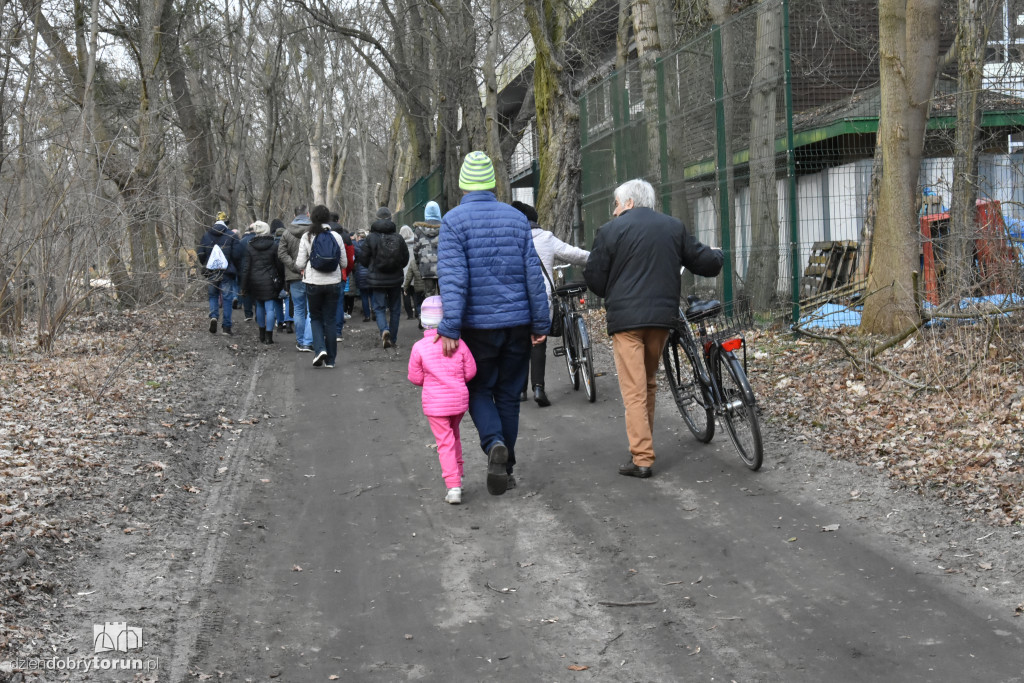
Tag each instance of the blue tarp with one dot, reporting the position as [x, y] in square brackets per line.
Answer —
[832, 316]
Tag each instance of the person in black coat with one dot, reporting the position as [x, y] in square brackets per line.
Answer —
[634, 266]
[222, 287]
[385, 279]
[262, 278]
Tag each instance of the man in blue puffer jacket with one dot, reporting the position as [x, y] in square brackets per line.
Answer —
[493, 297]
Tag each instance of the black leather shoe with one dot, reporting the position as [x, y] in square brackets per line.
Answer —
[511, 483]
[522, 395]
[540, 397]
[497, 473]
[631, 470]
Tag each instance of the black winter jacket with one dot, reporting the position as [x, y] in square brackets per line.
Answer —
[224, 237]
[368, 252]
[634, 265]
[263, 274]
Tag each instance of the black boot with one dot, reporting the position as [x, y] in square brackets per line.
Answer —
[270, 336]
[540, 397]
[263, 336]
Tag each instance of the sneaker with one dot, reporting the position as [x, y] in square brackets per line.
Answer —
[511, 483]
[454, 496]
[319, 359]
[248, 318]
[339, 338]
[329, 365]
[304, 347]
[385, 339]
[348, 316]
[213, 326]
[497, 475]
[226, 331]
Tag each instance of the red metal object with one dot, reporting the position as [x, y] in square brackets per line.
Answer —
[994, 255]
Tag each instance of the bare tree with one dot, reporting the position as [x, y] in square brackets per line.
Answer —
[909, 44]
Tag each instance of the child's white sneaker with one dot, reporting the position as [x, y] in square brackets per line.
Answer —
[454, 496]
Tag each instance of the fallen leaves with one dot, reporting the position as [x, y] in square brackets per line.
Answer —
[965, 446]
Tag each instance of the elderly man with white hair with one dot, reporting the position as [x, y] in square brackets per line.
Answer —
[634, 265]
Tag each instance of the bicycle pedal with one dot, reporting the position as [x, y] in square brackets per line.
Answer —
[559, 350]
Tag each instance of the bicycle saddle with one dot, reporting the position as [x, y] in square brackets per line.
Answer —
[571, 288]
[699, 310]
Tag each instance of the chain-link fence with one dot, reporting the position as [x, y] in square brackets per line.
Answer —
[426, 189]
[760, 135]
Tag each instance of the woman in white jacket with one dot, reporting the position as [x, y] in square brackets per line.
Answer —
[549, 249]
[323, 287]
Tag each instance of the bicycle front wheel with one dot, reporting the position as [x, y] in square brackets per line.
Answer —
[572, 357]
[740, 410]
[586, 360]
[687, 391]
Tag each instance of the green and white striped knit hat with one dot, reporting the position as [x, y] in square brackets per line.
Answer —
[477, 172]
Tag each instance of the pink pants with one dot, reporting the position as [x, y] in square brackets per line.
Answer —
[449, 447]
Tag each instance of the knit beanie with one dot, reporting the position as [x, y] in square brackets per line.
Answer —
[477, 172]
[260, 228]
[384, 212]
[432, 213]
[431, 312]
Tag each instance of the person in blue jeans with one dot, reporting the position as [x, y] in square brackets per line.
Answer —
[288, 251]
[494, 300]
[282, 307]
[322, 288]
[222, 285]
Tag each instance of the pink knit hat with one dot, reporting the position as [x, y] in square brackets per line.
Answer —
[431, 312]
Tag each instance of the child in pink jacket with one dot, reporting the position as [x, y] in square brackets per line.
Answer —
[445, 396]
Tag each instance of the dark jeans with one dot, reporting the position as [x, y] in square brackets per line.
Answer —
[385, 300]
[323, 308]
[366, 300]
[221, 295]
[502, 364]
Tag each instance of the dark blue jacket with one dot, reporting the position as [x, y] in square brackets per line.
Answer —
[488, 269]
[234, 251]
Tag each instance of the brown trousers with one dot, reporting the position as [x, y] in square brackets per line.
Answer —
[637, 357]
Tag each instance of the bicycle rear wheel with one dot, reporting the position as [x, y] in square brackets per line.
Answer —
[586, 361]
[687, 391]
[740, 410]
[572, 358]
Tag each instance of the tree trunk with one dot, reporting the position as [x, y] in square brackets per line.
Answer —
[558, 117]
[648, 46]
[908, 51]
[492, 126]
[763, 274]
[971, 38]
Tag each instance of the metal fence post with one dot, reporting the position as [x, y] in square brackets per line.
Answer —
[794, 225]
[722, 171]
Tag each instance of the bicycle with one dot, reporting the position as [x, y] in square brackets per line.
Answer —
[707, 379]
[575, 336]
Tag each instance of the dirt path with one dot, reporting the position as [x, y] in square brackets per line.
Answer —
[319, 546]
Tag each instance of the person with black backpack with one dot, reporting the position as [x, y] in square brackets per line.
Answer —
[321, 259]
[385, 254]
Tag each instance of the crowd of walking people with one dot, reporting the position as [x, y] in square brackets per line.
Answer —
[480, 281]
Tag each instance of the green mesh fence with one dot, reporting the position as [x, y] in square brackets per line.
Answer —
[760, 136]
[426, 189]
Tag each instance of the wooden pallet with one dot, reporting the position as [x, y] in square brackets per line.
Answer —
[832, 265]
